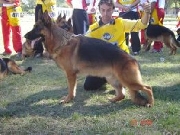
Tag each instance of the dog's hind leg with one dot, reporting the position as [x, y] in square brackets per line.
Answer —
[14, 68]
[170, 43]
[118, 89]
[72, 82]
[130, 77]
[147, 45]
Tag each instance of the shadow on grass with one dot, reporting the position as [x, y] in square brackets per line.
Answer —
[170, 93]
[46, 103]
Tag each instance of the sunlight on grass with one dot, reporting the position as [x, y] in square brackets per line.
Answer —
[30, 104]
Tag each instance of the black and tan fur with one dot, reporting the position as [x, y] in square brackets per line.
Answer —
[62, 22]
[163, 34]
[89, 56]
[37, 49]
[9, 66]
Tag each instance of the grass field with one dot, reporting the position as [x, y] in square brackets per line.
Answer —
[30, 104]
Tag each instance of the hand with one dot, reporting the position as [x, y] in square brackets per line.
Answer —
[126, 8]
[146, 7]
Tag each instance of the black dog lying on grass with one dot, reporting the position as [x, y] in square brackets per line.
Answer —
[9, 66]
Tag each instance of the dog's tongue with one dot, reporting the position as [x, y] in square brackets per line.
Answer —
[34, 41]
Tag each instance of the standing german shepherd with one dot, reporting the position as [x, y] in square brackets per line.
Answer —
[9, 66]
[163, 34]
[91, 56]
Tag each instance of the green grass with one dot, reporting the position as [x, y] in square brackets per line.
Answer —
[30, 104]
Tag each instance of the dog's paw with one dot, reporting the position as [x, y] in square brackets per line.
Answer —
[117, 98]
[66, 99]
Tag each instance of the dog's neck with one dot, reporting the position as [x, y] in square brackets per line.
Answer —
[55, 38]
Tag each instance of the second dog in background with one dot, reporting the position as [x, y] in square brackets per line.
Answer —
[163, 34]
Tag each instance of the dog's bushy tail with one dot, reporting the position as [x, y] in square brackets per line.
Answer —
[177, 43]
[28, 69]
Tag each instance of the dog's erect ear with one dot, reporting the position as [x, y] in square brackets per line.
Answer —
[59, 17]
[40, 15]
[46, 18]
[69, 21]
[64, 17]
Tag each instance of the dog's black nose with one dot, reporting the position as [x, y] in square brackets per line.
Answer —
[26, 35]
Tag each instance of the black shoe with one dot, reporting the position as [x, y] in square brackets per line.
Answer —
[6, 54]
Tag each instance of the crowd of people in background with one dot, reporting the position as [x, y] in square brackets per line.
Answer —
[133, 17]
[83, 17]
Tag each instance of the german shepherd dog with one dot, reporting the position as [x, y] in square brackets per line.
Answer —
[163, 34]
[34, 48]
[65, 24]
[76, 54]
[9, 66]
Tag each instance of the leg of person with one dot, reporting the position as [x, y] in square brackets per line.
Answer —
[157, 47]
[127, 38]
[16, 30]
[80, 21]
[5, 31]
[125, 15]
[94, 83]
[143, 40]
[135, 43]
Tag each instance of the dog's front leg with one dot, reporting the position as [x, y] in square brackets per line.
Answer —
[72, 82]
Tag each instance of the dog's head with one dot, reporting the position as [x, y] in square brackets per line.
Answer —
[44, 21]
[40, 30]
[29, 47]
[63, 23]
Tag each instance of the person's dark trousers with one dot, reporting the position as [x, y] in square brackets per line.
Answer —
[135, 41]
[38, 9]
[94, 83]
[80, 21]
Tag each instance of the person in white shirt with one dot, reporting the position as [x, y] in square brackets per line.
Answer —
[79, 17]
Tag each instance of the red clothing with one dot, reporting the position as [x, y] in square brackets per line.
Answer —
[11, 22]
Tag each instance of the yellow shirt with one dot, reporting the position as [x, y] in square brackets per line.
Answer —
[126, 2]
[115, 33]
[47, 4]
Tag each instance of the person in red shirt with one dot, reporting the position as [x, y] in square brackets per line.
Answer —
[11, 11]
